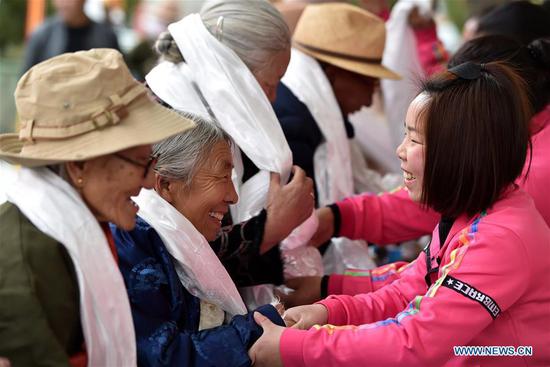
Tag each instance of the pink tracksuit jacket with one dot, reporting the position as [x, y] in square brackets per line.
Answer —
[490, 286]
[394, 217]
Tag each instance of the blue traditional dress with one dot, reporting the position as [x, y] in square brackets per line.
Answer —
[166, 316]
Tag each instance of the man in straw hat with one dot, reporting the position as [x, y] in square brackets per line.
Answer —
[85, 147]
[334, 68]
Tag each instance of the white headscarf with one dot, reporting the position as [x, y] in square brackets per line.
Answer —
[332, 162]
[214, 81]
[332, 159]
[57, 210]
[199, 269]
[212, 72]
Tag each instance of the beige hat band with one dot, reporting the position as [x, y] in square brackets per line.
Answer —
[110, 116]
[368, 60]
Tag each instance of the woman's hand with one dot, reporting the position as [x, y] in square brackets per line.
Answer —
[265, 352]
[287, 207]
[325, 231]
[304, 317]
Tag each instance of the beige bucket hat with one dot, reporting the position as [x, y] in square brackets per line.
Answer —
[344, 35]
[82, 105]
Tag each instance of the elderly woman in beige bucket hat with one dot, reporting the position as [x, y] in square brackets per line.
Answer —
[85, 147]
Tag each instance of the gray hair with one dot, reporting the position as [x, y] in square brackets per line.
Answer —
[182, 155]
[253, 29]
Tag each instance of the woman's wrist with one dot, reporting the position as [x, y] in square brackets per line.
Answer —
[336, 219]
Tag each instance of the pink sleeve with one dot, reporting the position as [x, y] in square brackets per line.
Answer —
[536, 172]
[356, 281]
[431, 53]
[381, 304]
[479, 282]
[386, 218]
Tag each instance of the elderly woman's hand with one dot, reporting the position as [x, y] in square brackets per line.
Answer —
[265, 351]
[287, 206]
[304, 317]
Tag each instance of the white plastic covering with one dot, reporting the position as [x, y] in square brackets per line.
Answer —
[332, 159]
[199, 269]
[57, 210]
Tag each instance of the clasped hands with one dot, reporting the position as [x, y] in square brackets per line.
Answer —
[266, 350]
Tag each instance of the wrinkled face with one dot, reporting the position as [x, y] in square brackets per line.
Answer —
[108, 183]
[207, 199]
[352, 90]
[269, 77]
[411, 150]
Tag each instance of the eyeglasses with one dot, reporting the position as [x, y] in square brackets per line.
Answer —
[147, 166]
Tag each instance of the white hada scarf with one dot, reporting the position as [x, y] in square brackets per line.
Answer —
[57, 210]
[198, 268]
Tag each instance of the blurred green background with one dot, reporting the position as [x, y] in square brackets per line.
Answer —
[12, 29]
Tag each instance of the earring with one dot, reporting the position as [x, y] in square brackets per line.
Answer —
[80, 182]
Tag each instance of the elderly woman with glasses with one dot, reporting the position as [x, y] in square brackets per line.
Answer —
[179, 292]
[85, 147]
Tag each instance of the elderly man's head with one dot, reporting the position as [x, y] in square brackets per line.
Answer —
[348, 42]
[194, 175]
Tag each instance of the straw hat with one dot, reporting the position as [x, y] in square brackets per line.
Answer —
[82, 105]
[345, 36]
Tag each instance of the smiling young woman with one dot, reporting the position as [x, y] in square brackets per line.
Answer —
[466, 143]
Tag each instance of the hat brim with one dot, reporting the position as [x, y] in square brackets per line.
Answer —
[147, 122]
[368, 69]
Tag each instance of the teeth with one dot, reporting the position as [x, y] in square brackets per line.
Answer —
[218, 216]
[408, 176]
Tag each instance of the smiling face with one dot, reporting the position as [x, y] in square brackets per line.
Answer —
[269, 77]
[411, 149]
[206, 200]
[107, 184]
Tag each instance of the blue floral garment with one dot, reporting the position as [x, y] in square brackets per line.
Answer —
[166, 315]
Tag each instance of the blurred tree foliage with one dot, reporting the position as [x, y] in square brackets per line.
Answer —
[12, 23]
[13, 14]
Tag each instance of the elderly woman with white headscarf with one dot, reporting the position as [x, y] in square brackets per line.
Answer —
[180, 293]
[226, 63]
[85, 147]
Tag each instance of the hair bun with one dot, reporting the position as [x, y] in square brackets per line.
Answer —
[166, 47]
[162, 44]
[539, 50]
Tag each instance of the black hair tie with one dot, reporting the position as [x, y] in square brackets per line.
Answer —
[535, 53]
[468, 70]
